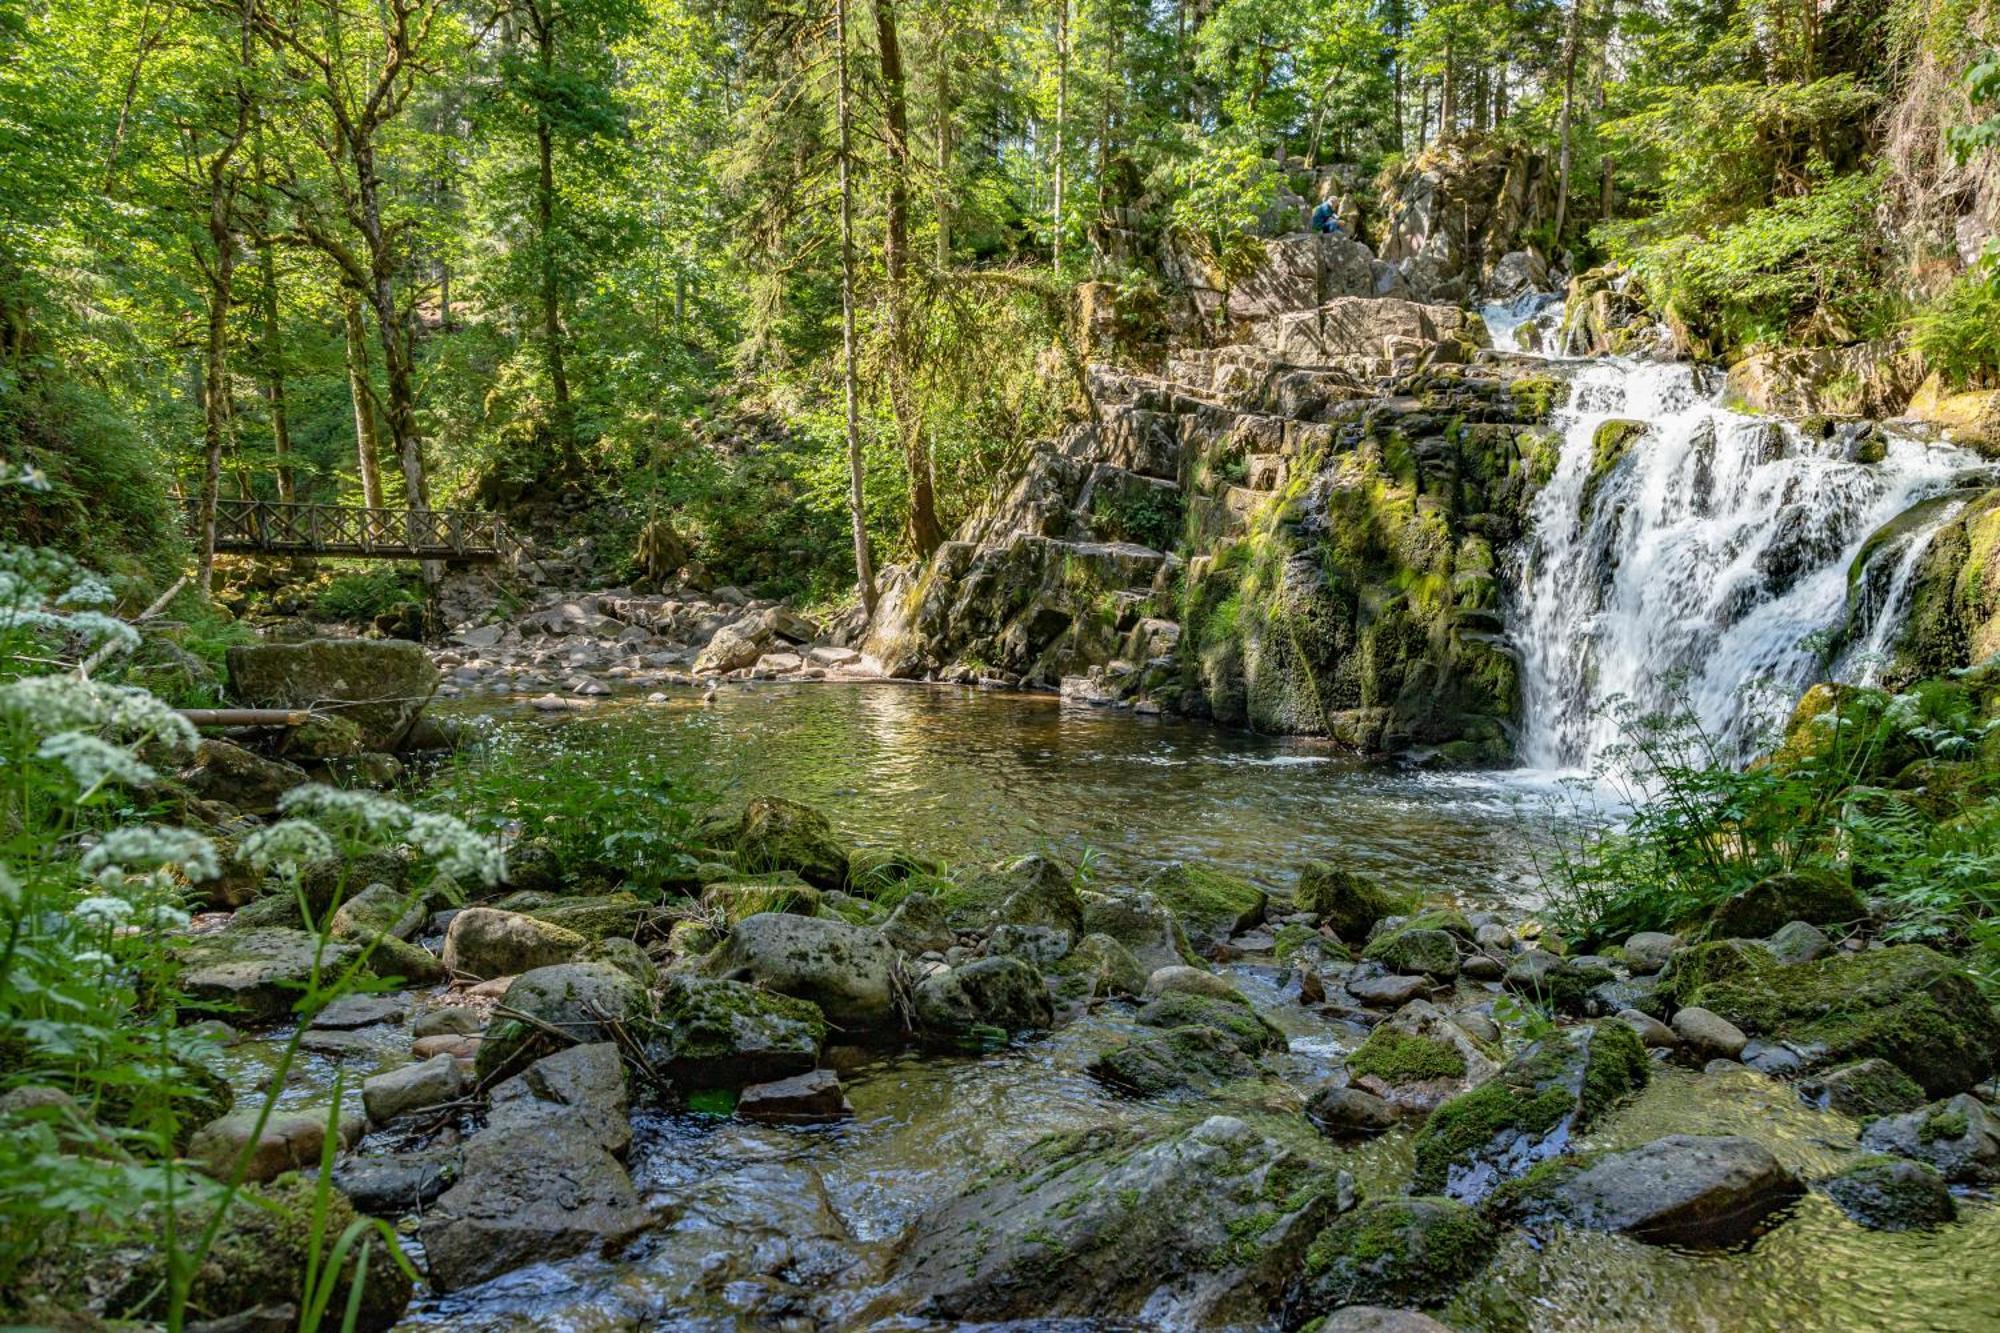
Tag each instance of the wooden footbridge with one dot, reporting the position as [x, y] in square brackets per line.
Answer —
[279, 527]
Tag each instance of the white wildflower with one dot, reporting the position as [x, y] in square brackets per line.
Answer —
[164, 917]
[64, 703]
[458, 851]
[288, 843]
[101, 911]
[101, 629]
[88, 590]
[91, 761]
[141, 847]
[361, 811]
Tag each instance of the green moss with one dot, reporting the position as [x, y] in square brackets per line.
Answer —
[1207, 897]
[1183, 1057]
[1943, 1125]
[1289, 938]
[1401, 1057]
[1347, 900]
[1396, 1252]
[1233, 1018]
[1608, 446]
[733, 900]
[1535, 396]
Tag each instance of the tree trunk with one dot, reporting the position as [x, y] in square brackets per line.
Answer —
[367, 439]
[1062, 119]
[1563, 133]
[942, 193]
[864, 565]
[545, 216]
[924, 532]
[273, 352]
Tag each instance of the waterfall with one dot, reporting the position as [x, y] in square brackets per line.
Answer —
[1706, 565]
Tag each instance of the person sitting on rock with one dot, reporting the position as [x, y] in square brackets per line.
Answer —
[1326, 218]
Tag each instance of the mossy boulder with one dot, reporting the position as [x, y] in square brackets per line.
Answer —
[848, 971]
[870, 870]
[585, 1002]
[1530, 1111]
[1234, 1018]
[773, 833]
[732, 900]
[1141, 923]
[996, 992]
[1817, 897]
[920, 925]
[1100, 965]
[1402, 1057]
[1031, 891]
[1906, 1004]
[1348, 900]
[1199, 1227]
[1211, 905]
[1416, 950]
[725, 1034]
[1891, 1194]
[596, 916]
[380, 685]
[1958, 1136]
[1393, 1252]
[256, 976]
[1686, 1190]
[488, 942]
[1864, 1089]
[1191, 1058]
[260, 1256]
[1609, 444]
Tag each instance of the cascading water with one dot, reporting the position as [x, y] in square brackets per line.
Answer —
[1699, 558]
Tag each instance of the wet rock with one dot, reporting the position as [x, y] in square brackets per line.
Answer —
[1905, 1004]
[362, 1011]
[1482, 967]
[1863, 1089]
[776, 834]
[732, 648]
[812, 1098]
[1102, 966]
[411, 1088]
[1891, 1194]
[289, 1141]
[1211, 905]
[846, 970]
[1380, 991]
[1959, 1136]
[995, 992]
[582, 1001]
[256, 976]
[1530, 1111]
[1141, 924]
[1180, 1059]
[1233, 1017]
[1035, 891]
[1197, 1229]
[1347, 900]
[1376, 1319]
[1393, 1252]
[446, 1019]
[380, 685]
[1193, 980]
[1813, 896]
[1684, 1190]
[1416, 950]
[226, 772]
[1709, 1036]
[1346, 1112]
[1039, 946]
[393, 1184]
[581, 1086]
[1419, 1058]
[488, 942]
[1648, 951]
[919, 925]
[1799, 942]
[1652, 1032]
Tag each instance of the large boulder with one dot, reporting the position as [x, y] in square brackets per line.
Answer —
[1347, 900]
[1000, 992]
[774, 834]
[1960, 1137]
[584, 1002]
[226, 772]
[1684, 1190]
[256, 976]
[1211, 905]
[726, 1034]
[1392, 1252]
[1197, 1229]
[486, 942]
[1531, 1111]
[1906, 1004]
[412, 1087]
[380, 685]
[847, 971]
[542, 1185]
[1813, 896]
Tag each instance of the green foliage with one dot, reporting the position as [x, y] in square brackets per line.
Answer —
[1959, 333]
[362, 594]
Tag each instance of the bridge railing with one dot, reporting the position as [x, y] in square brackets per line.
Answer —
[280, 527]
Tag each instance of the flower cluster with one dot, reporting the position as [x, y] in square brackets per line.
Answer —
[93, 762]
[139, 848]
[367, 816]
[49, 704]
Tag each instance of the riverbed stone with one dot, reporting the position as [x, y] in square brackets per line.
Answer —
[486, 942]
[362, 1010]
[582, 1086]
[1348, 900]
[811, 1098]
[773, 833]
[439, 1020]
[1190, 1058]
[1384, 990]
[1100, 965]
[255, 976]
[1193, 980]
[1906, 1004]
[582, 1001]
[1692, 1191]
[1416, 950]
[391, 1185]
[1530, 1111]
[847, 971]
[289, 1141]
[1959, 1136]
[1863, 1089]
[994, 992]
[1033, 891]
[1817, 897]
[1251, 1032]
[1799, 942]
[1648, 951]
[1196, 1228]
[380, 685]
[1893, 1194]
[226, 772]
[1380, 1319]
[1420, 1058]
[1210, 904]
[1656, 1036]
[919, 925]
[411, 1087]
[1708, 1035]
[1140, 923]
[1039, 946]
[1342, 1111]
[1392, 1252]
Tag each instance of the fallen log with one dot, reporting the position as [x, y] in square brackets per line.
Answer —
[246, 717]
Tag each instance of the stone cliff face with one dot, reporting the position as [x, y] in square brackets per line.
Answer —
[1295, 532]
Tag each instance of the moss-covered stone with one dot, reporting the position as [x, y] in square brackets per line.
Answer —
[1530, 1111]
[585, 1002]
[1414, 950]
[1393, 1252]
[773, 833]
[1210, 904]
[1100, 965]
[733, 900]
[1234, 1018]
[725, 1034]
[1609, 444]
[1179, 1059]
[1906, 1004]
[1403, 1057]
[1349, 901]
[1891, 1194]
[1818, 897]
[1864, 1089]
